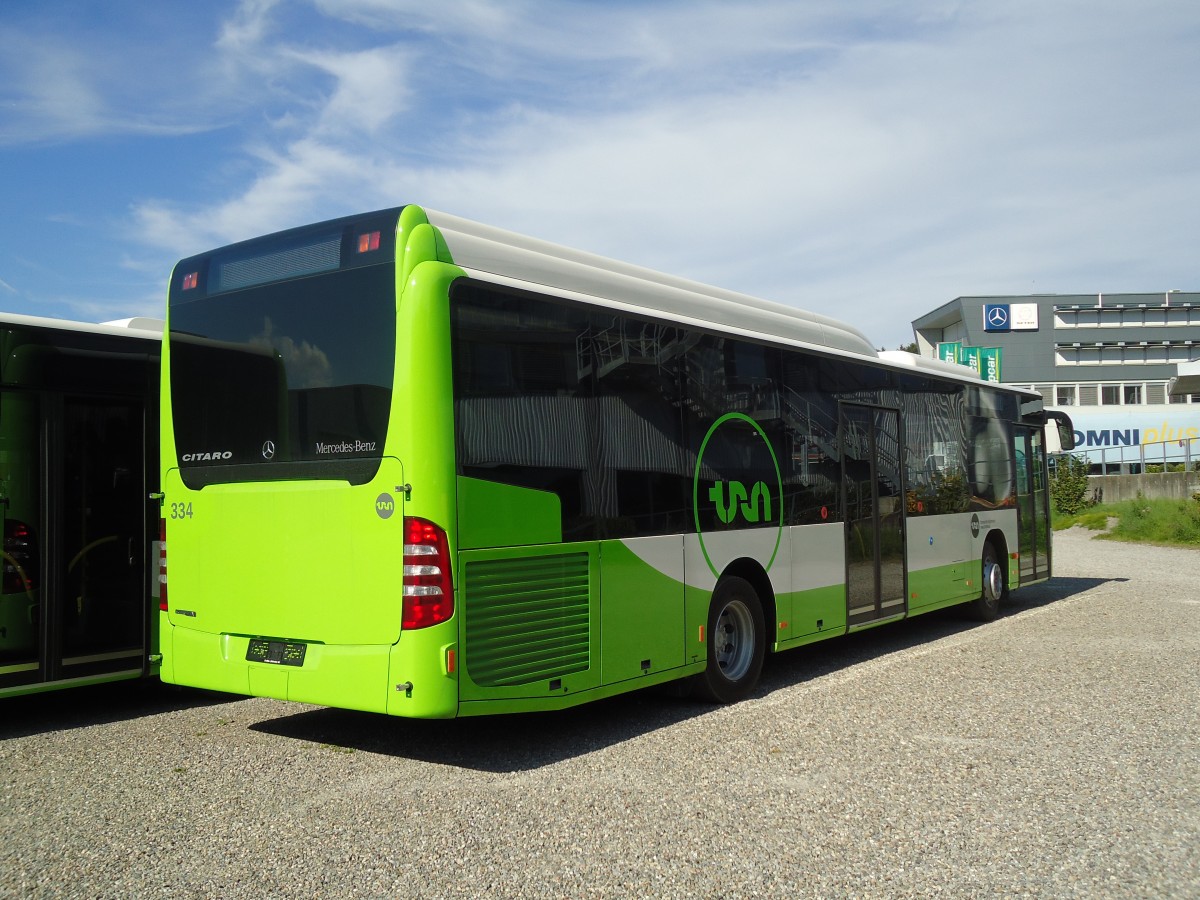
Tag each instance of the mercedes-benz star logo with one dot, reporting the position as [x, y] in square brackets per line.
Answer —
[997, 315]
[268, 449]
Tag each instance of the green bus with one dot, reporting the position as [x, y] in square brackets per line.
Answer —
[421, 466]
[78, 459]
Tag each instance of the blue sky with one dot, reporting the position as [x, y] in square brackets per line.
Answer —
[868, 160]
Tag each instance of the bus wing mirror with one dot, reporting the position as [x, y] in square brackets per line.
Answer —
[1066, 431]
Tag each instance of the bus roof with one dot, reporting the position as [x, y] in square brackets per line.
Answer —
[138, 327]
[495, 254]
[484, 248]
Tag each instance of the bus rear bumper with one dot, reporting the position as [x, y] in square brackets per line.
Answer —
[344, 676]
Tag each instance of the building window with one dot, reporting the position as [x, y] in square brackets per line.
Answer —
[1156, 393]
[1133, 395]
[1110, 395]
[1065, 395]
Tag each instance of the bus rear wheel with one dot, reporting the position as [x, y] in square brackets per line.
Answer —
[736, 643]
[986, 606]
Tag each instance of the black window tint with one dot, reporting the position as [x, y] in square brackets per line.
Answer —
[991, 473]
[813, 464]
[572, 399]
[638, 369]
[524, 410]
[991, 470]
[291, 379]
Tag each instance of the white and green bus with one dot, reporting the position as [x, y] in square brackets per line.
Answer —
[426, 467]
[78, 458]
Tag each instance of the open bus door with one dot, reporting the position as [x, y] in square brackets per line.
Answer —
[76, 529]
[1033, 492]
[1033, 504]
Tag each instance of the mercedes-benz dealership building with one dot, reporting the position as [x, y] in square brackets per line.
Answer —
[1108, 360]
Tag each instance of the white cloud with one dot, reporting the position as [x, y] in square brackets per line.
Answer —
[370, 89]
[866, 164]
[243, 32]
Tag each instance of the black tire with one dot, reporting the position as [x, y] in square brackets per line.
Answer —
[736, 642]
[986, 606]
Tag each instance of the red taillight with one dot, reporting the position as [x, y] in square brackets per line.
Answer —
[20, 557]
[162, 564]
[191, 281]
[428, 591]
[368, 242]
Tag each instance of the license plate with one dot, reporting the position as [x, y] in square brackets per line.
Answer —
[280, 653]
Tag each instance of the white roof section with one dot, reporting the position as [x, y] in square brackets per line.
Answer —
[140, 327]
[486, 249]
[139, 323]
[926, 364]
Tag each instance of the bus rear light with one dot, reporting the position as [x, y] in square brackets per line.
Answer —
[20, 557]
[191, 281]
[428, 591]
[162, 565]
[368, 242]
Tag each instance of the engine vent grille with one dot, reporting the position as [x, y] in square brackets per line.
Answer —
[526, 619]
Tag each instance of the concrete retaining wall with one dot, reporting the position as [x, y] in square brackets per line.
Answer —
[1166, 485]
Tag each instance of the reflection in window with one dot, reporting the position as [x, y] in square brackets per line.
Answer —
[934, 414]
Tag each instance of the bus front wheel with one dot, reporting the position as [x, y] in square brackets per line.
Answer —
[986, 606]
[736, 640]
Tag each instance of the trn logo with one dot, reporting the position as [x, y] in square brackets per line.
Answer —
[745, 513]
[754, 506]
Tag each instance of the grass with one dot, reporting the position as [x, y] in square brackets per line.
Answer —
[1173, 523]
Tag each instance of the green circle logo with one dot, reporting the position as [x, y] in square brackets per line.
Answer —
[740, 504]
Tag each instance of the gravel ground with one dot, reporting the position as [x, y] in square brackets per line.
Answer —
[1052, 753]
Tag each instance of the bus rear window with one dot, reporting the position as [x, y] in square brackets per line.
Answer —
[284, 380]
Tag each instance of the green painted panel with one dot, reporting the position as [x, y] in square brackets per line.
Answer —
[331, 548]
[641, 614]
[491, 514]
[938, 585]
[813, 612]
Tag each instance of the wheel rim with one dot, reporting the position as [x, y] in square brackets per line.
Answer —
[993, 581]
[733, 639]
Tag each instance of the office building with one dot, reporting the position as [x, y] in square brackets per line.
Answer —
[1108, 360]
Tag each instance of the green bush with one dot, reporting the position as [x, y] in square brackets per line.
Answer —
[1175, 522]
[1069, 484]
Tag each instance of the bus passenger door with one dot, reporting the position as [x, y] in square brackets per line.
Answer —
[21, 506]
[72, 493]
[873, 499]
[1033, 510]
[99, 572]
